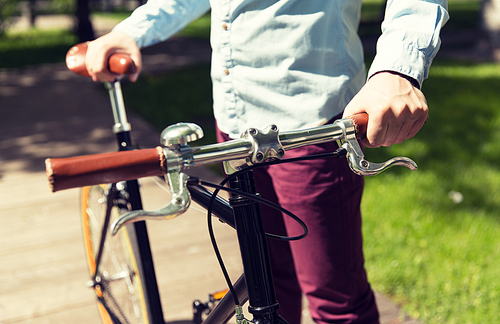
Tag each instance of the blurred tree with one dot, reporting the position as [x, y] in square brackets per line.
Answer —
[7, 8]
[32, 12]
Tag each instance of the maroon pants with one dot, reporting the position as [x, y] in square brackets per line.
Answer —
[328, 265]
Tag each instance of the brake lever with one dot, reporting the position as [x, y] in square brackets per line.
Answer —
[175, 138]
[356, 158]
[180, 202]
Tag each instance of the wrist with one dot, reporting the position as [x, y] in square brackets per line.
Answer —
[413, 81]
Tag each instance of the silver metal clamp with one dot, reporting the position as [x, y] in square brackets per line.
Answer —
[266, 144]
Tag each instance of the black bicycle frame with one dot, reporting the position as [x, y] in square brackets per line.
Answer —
[254, 251]
[256, 284]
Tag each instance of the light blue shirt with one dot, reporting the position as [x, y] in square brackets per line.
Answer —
[294, 63]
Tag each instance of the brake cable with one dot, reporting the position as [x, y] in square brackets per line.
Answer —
[340, 152]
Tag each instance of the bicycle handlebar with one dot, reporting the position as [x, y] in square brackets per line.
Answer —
[119, 63]
[254, 147]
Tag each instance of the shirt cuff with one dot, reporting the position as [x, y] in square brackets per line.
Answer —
[403, 58]
[413, 81]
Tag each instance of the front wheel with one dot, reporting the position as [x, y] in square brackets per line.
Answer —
[118, 283]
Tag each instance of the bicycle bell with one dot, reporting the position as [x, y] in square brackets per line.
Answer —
[181, 134]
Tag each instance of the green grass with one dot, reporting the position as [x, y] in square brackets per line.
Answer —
[439, 258]
[35, 47]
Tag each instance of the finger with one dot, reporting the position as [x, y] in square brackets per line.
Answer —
[404, 130]
[138, 65]
[94, 66]
[133, 77]
[96, 62]
[416, 127]
[394, 130]
[422, 115]
[366, 143]
[376, 131]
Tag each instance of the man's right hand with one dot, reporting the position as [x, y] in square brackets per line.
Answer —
[396, 109]
[100, 50]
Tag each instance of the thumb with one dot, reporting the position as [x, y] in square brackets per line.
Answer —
[134, 77]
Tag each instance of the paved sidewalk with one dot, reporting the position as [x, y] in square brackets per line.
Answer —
[46, 111]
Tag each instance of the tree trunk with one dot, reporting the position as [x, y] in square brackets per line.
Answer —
[32, 12]
[85, 32]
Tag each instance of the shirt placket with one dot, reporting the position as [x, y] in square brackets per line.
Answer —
[227, 65]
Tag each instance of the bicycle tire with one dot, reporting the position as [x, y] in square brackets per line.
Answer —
[121, 291]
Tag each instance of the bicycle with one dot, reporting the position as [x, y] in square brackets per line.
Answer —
[116, 239]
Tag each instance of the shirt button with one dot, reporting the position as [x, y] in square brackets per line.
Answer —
[226, 71]
[224, 26]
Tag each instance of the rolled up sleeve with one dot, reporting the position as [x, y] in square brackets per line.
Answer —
[410, 37]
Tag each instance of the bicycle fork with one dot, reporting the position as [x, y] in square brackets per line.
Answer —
[254, 253]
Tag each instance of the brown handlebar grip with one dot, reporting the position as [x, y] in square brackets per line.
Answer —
[118, 63]
[67, 173]
[360, 123]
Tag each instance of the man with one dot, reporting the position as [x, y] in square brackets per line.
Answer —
[299, 64]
